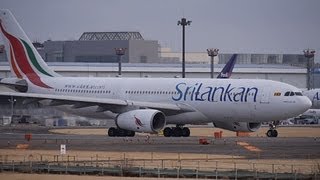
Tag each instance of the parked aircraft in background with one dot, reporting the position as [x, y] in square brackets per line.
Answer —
[227, 69]
[312, 112]
[314, 96]
[147, 104]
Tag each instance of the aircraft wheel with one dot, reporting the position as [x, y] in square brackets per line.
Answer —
[274, 133]
[167, 132]
[185, 132]
[122, 132]
[177, 132]
[112, 132]
[131, 133]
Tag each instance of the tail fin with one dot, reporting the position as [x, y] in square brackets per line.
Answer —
[227, 69]
[24, 59]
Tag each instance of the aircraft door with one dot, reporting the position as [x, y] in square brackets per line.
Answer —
[265, 96]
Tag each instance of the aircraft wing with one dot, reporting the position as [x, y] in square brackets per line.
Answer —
[103, 104]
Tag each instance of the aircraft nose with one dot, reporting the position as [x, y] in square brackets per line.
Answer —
[305, 103]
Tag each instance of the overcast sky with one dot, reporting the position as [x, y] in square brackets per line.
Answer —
[243, 26]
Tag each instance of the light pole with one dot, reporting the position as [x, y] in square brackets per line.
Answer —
[12, 101]
[309, 54]
[212, 53]
[120, 52]
[183, 22]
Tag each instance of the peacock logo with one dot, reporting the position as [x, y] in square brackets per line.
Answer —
[138, 122]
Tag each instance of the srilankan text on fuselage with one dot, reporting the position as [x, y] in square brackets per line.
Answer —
[228, 93]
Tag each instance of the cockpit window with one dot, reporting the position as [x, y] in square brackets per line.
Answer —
[290, 93]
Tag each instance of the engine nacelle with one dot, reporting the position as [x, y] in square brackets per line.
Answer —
[238, 126]
[142, 120]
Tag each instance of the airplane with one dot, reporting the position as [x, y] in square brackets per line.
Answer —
[311, 116]
[312, 112]
[146, 104]
[227, 69]
[314, 96]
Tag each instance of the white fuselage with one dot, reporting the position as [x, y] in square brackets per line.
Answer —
[213, 99]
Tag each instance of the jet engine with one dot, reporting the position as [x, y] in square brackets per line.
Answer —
[142, 120]
[238, 126]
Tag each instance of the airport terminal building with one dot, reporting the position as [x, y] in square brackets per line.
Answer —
[99, 47]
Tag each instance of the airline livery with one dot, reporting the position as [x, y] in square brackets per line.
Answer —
[227, 69]
[146, 104]
[313, 95]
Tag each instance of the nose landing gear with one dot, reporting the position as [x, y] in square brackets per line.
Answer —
[272, 132]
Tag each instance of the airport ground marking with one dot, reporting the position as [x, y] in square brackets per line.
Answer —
[249, 147]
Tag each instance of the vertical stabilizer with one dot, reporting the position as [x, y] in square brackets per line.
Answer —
[24, 59]
[227, 69]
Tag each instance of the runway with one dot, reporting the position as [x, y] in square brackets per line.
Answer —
[248, 147]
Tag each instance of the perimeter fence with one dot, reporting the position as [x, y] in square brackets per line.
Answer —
[151, 167]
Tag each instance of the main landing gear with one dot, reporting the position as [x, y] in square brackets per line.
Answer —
[272, 132]
[177, 131]
[117, 132]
